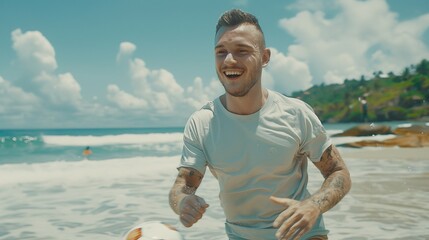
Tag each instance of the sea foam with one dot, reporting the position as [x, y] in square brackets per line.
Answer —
[67, 140]
[78, 172]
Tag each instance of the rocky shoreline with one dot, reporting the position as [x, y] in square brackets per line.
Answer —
[414, 136]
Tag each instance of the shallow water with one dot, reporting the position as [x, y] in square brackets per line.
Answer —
[103, 200]
[388, 200]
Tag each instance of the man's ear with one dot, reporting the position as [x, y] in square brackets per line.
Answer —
[266, 57]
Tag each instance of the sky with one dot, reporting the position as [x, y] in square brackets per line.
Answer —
[147, 63]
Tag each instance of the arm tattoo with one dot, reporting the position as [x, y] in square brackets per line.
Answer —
[328, 152]
[337, 180]
[197, 175]
[187, 183]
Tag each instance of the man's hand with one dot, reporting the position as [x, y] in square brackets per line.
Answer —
[191, 209]
[183, 200]
[297, 218]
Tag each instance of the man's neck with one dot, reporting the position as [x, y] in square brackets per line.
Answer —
[245, 105]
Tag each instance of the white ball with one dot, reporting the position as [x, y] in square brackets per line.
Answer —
[153, 230]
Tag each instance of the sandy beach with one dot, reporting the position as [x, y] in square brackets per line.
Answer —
[388, 196]
[387, 153]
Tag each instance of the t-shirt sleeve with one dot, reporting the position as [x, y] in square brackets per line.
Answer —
[315, 140]
[193, 154]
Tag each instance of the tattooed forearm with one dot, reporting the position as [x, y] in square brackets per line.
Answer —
[337, 180]
[330, 162]
[187, 183]
[194, 176]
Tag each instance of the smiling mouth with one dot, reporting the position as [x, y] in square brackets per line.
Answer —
[233, 74]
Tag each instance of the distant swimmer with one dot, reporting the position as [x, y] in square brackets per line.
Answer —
[86, 152]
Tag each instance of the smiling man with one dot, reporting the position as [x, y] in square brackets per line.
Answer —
[257, 143]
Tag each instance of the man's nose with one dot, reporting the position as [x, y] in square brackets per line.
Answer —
[229, 58]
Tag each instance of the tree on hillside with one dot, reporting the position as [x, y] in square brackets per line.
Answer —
[417, 83]
[392, 97]
[377, 85]
[377, 74]
[423, 67]
[362, 80]
[406, 73]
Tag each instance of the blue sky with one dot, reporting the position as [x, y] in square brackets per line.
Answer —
[147, 63]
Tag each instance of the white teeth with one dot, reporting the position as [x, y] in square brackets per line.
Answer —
[232, 73]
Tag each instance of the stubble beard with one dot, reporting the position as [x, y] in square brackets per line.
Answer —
[242, 90]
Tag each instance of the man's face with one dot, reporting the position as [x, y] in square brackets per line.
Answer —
[240, 56]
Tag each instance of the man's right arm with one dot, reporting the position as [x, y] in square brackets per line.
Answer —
[183, 200]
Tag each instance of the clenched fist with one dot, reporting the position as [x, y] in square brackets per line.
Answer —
[191, 209]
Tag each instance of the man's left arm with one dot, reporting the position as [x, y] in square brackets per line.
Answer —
[300, 216]
[337, 180]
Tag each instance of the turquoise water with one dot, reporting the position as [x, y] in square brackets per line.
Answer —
[48, 189]
[47, 145]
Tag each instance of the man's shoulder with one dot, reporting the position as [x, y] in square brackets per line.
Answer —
[204, 114]
[294, 106]
[205, 111]
[289, 102]
[200, 121]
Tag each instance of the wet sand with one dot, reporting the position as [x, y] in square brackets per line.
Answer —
[386, 153]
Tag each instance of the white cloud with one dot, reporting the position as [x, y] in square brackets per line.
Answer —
[165, 95]
[147, 81]
[159, 94]
[139, 75]
[56, 97]
[125, 100]
[126, 50]
[59, 90]
[17, 107]
[158, 87]
[36, 56]
[163, 80]
[38, 96]
[198, 94]
[286, 74]
[34, 51]
[363, 37]
[14, 99]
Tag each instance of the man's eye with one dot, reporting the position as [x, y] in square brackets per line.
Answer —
[221, 53]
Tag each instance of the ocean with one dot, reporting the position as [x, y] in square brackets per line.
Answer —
[49, 190]
[51, 145]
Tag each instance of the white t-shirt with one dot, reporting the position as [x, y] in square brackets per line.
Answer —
[254, 157]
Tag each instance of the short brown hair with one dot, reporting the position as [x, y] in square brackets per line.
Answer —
[236, 17]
